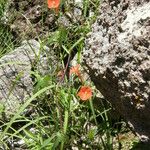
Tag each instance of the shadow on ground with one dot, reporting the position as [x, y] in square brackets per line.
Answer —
[141, 146]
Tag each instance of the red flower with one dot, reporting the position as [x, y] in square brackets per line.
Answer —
[53, 4]
[85, 93]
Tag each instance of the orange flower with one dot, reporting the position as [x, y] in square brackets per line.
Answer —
[53, 4]
[75, 70]
[85, 93]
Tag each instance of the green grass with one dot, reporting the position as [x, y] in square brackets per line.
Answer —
[2, 7]
[59, 119]
[7, 40]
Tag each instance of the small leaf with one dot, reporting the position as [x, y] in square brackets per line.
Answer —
[91, 134]
[2, 108]
[42, 82]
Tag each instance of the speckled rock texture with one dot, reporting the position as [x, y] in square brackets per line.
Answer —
[117, 56]
[16, 84]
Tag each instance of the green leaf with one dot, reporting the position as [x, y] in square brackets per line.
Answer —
[30, 135]
[54, 38]
[2, 107]
[91, 134]
[42, 82]
[47, 143]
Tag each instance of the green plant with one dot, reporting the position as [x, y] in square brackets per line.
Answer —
[54, 117]
[7, 39]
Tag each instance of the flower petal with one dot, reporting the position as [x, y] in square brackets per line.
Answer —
[75, 70]
[85, 93]
[53, 3]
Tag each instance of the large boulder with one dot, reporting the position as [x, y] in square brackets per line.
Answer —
[16, 83]
[117, 56]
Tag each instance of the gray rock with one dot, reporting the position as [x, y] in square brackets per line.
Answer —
[15, 73]
[117, 55]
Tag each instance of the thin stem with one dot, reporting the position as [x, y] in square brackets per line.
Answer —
[65, 127]
[93, 112]
[69, 57]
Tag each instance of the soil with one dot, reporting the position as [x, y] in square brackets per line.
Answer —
[30, 19]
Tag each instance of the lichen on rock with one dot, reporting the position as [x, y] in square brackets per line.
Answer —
[117, 55]
[16, 84]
